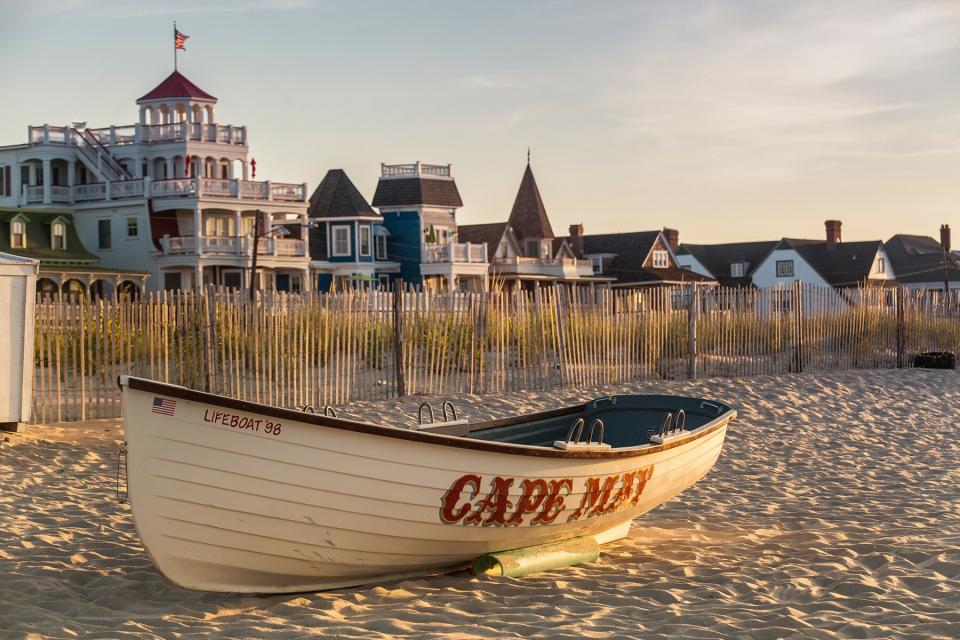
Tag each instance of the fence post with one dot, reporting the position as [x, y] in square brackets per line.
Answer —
[692, 311]
[900, 328]
[798, 325]
[398, 336]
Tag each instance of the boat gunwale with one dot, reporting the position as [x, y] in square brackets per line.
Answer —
[427, 437]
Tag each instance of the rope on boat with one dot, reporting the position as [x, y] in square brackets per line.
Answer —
[122, 467]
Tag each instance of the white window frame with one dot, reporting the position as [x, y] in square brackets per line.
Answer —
[136, 227]
[53, 236]
[782, 269]
[661, 259]
[881, 265]
[364, 236]
[380, 246]
[334, 230]
[597, 263]
[736, 269]
[22, 244]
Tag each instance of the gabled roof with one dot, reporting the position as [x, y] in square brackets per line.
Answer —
[631, 251]
[841, 264]
[416, 191]
[528, 216]
[919, 259]
[177, 85]
[717, 259]
[336, 197]
[38, 225]
[489, 234]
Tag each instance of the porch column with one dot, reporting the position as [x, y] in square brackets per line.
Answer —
[238, 228]
[32, 174]
[451, 282]
[198, 228]
[116, 285]
[71, 172]
[47, 181]
[198, 277]
[169, 162]
[246, 172]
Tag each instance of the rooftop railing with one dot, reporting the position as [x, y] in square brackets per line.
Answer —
[455, 252]
[145, 133]
[415, 169]
[232, 246]
[175, 188]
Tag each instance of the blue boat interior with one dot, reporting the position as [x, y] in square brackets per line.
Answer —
[624, 421]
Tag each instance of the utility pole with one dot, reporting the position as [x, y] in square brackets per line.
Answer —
[945, 246]
[253, 266]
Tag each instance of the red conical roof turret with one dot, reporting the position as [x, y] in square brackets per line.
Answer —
[177, 86]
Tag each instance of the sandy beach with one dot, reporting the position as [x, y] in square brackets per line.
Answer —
[834, 511]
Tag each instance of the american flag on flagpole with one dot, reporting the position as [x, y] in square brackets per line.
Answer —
[163, 406]
[179, 40]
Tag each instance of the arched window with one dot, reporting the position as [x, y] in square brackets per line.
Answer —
[18, 235]
[58, 236]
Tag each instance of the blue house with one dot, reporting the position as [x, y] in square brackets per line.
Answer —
[348, 242]
[418, 204]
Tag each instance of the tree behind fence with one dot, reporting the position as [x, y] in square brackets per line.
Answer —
[317, 349]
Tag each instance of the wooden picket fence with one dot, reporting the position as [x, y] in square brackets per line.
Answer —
[317, 349]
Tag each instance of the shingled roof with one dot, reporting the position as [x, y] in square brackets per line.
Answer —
[919, 259]
[631, 250]
[38, 226]
[337, 197]
[176, 85]
[415, 191]
[528, 218]
[841, 264]
[717, 259]
[489, 234]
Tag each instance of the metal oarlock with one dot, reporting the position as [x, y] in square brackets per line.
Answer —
[450, 416]
[424, 405]
[575, 441]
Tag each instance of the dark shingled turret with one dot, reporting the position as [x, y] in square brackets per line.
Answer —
[336, 197]
[528, 218]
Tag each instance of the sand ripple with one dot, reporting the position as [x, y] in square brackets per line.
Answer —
[834, 511]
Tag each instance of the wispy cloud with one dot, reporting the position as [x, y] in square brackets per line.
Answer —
[768, 99]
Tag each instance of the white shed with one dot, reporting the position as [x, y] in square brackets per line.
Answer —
[18, 286]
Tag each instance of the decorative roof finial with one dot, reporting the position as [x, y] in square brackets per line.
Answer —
[528, 155]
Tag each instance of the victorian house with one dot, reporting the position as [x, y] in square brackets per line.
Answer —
[418, 203]
[348, 240]
[524, 249]
[635, 259]
[172, 195]
[49, 236]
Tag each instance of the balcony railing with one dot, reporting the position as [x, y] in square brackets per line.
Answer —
[178, 187]
[145, 133]
[455, 252]
[415, 169]
[232, 246]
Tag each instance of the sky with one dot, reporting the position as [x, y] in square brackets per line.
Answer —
[737, 120]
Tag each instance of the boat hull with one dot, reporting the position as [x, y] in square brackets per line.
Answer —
[242, 501]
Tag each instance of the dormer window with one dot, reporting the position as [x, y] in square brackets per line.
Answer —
[597, 263]
[661, 260]
[18, 234]
[737, 269]
[58, 236]
[881, 265]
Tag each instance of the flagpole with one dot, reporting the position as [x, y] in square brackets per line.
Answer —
[174, 45]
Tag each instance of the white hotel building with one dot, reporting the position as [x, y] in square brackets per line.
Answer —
[171, 195]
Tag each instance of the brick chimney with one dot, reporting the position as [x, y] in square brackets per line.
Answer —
[673, 238]
[833, 231]
[576, 239]
[945, 237]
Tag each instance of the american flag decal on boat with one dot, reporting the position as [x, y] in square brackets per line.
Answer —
[163, 406]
